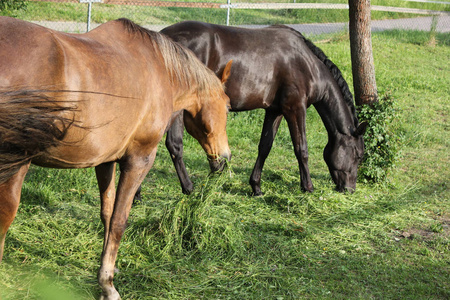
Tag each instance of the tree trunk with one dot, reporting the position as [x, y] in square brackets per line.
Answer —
[363, 68]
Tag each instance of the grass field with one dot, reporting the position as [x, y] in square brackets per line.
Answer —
[385, 241]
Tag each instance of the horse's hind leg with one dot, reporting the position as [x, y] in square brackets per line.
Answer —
[272, 121]
[9, 202]
[106, 183]
[174, 143]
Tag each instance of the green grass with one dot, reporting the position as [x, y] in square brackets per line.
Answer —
[385, 241]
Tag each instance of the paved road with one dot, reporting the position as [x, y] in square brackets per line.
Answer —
[421, 23]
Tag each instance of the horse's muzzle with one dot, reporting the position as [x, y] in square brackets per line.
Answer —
[345, 183]
[346, 189]
[218, 163]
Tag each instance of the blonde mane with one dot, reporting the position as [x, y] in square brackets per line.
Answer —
[181, 64]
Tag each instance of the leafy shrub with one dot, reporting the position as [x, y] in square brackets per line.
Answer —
[9, 7]
[381, 143]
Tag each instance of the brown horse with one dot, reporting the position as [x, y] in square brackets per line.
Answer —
[94, 100]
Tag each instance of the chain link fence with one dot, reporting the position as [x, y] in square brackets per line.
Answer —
[78, 16]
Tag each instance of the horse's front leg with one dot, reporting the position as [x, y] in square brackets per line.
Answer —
[174, 143]
[296, 118]
[133, 170]
[10, 191]
[272, 121]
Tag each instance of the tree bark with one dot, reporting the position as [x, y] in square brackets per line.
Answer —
[363, 68]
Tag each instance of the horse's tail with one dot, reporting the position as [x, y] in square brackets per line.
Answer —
[335, 72]
[29, 125]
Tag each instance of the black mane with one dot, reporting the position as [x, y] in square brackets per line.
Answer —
[337, 75]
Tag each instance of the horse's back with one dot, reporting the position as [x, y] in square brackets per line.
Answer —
[49, 57]
[267, 43]
[267, 62]
[33, 56]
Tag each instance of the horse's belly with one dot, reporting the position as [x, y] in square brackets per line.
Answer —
[61, 163]
[68, 157]
[87, 146]
[90, 147]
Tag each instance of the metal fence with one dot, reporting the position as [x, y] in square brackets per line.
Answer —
[309, 18]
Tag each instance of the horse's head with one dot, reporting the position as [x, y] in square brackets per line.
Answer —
[208, 126]
[343, 154]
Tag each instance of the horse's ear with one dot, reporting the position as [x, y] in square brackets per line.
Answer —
[226, 71]
[361, 129]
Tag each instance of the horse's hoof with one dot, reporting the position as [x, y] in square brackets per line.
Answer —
[308, 189]
[257, 193]
[187, 187]
[188, 191]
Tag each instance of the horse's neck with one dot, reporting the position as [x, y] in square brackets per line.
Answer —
[336, 114]
[186, 98]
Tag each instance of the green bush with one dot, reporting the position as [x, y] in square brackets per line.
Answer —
[380, 141]
[9, 7]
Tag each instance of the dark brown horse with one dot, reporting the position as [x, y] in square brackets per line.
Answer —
[94, 100]
[277, 69]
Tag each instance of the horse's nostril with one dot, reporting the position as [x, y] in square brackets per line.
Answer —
[346, 189]
[218, 164]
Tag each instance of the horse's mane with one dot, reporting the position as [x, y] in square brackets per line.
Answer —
[181, 64]
[334, 70]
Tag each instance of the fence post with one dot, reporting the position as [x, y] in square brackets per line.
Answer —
[89, 2]
[228, 12]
